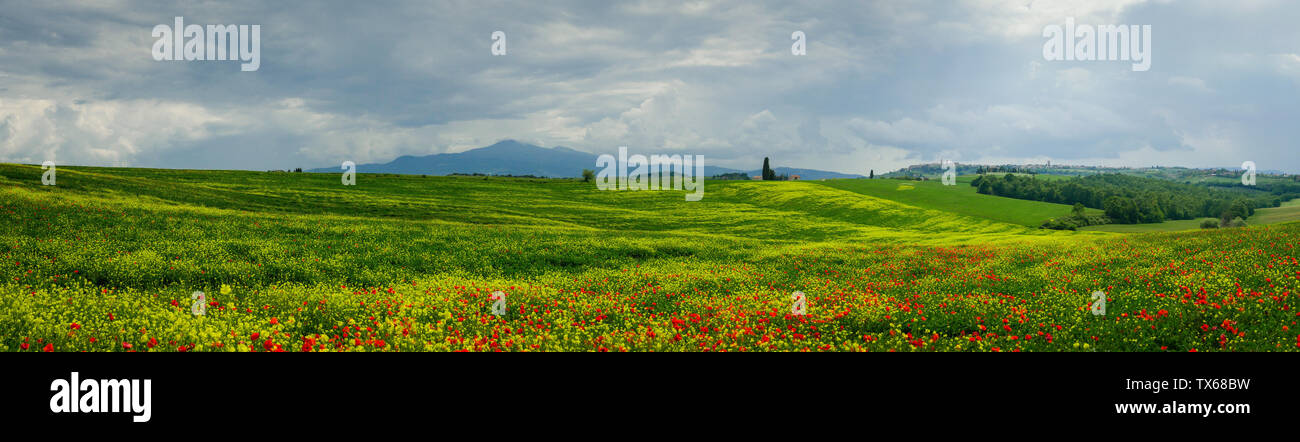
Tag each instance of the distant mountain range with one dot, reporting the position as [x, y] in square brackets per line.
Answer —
[511, 157]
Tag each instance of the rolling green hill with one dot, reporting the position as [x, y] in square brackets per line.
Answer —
[110, 260]
[788, 211]
[1288, 212]
[960, 199]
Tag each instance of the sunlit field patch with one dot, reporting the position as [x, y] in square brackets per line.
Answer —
[108, 260]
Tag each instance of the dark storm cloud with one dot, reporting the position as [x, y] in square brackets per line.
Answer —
[884, 84]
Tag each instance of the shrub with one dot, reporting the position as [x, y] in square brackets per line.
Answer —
[1063, 223]
[1210, 224]
[1073, 222]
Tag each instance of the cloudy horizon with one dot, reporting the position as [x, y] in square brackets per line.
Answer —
[883, 85]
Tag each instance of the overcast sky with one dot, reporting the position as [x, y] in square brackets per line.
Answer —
[883, 85]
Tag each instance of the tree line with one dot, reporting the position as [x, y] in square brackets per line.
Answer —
[1129, 199]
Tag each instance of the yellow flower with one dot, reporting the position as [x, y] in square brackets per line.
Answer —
[225, 289]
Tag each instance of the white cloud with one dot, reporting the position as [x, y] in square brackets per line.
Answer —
[1192, 83]
[1016, 19]
[1075, 78]
[902, 131]
[114, 132]
[1288, 64]
[883, 84]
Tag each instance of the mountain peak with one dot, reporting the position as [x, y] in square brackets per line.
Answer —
[505, 143]
[506, 147]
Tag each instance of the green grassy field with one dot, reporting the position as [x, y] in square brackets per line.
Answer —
[1167, 226]
[1288, 212]
[109, 260]
[959, 199]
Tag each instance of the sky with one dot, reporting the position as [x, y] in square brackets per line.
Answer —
[883, 84]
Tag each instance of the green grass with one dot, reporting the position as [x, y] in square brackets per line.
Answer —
[960, 199]
[1288, 212]
[789, 211]
[107, 261]
[1167, 226]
